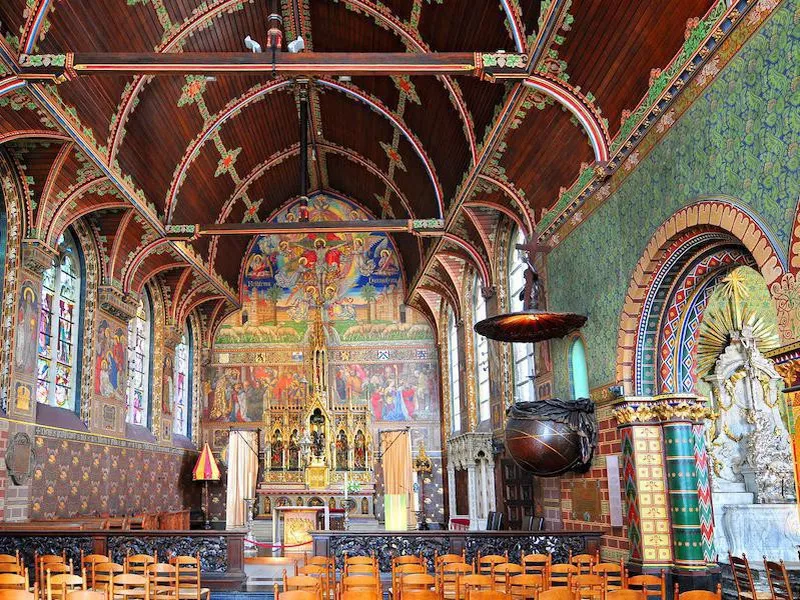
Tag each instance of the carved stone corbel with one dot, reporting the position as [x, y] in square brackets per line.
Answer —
[117, 303]
[172, 336]
[37, 256]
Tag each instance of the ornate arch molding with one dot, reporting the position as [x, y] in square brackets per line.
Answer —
[11, 197]
[475, 256]
[440, 288]
[711, 214]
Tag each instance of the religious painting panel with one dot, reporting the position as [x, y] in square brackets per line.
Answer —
[110, 360]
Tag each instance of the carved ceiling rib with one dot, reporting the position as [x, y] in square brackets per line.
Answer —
[33, 25]
[128, 100]
[123, 225]
[52, 176]
[514, 196]
[405, 33]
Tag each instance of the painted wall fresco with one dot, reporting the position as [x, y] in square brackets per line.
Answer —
[739, 137]
[110, 360]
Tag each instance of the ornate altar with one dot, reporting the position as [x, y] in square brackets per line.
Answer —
[315, 446]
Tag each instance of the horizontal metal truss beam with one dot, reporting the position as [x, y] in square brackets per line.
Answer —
[420, 227]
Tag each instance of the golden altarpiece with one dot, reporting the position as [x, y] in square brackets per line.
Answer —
[317, 452]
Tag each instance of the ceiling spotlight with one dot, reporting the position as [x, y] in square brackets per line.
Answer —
[251, 44]
[298, 45]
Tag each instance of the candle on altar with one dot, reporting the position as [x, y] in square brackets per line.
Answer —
[345, 485]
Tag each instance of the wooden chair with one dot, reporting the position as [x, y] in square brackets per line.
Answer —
[293, 595]
[503, 572]
[11, 567]
[162, 581]
[698, 594]
[103, 574]
[472, 583]
[363, 584]
[561, 575]
[86, 595]
[525, 587]
[13, 581]
[559, 593]
[653, 588]
[318, 572]
[138, 563]
[778, 580]
[401, 571]
[408, 559]
[439, 560]
[416, 595]
[743, 579]
[486, 564]
[302, 583]
[486, 595]
[187, 571]
[10, 558]
[370, 569]
[626, 595]
[416, 582]
[448, 581]
[537, 564]
[330, 564]
[588, 587]
[613, 573]
[18, 594]
[58, 585]
[57, 563]
[126, 586]
[584, 562]
[359, 560]
[88, 563]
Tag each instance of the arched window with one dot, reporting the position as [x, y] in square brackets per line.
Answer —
[578, 372]
[523, 355]
[59, 323]
[139, 355]
[481, 353]
[455, 380]
[183, 383]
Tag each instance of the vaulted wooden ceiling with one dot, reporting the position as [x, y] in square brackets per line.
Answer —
[193, 149]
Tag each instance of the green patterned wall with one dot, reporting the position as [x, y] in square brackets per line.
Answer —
[740, 138]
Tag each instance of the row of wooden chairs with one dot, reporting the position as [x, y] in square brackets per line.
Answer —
[777, 578]
[54, 576]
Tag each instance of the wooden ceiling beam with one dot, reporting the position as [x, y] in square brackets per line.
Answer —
[421, 227]
[486, 65]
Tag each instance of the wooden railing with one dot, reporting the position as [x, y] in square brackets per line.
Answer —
[165, 521]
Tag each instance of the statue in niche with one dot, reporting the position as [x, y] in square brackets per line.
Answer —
[294, 452]
[360, 451]
[750, 442]
[342, 448]
[276, 458]
[317, 421]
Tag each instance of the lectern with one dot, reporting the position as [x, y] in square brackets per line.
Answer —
[297, 524]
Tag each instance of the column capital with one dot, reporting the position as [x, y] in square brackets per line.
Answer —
[37, 256]
[117, 303]
[631, 410]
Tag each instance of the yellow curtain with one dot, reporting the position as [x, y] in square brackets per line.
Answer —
[242, 470]
[396, 451]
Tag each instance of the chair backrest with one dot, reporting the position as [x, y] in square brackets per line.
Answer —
[486, 564]
[414, 595]
[503, 571]
[131, 584]
[742, 576]
[467, 583]
[11, 567]
[698, 594]
[486, 595]
[778, 580]
[162, 580]
[365, 582]
[294, 595]
[612, 573]
[138, 563]
[561, 575]
[13, 581]
[58, 585]
[86, 595]
[187, 574]
[417, 581]
[625, 595]
[654, 588]
[17, 595]
[365, 569]
[525, 587]
[588, 586]
[359, 560]
[537, 564]
[407, 559]
[559, 593]
[446, 559]
[103, 573]
[584, 562]
[10, 558]
[88, 564]
[364, 595]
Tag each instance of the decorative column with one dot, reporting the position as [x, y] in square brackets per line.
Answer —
[645, 484]
[680, 415]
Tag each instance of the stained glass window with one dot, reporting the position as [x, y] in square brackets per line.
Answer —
[182, 384]
[455, 379]
[481, 353]
[58, 328]
[139, 336]
[524, 364]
